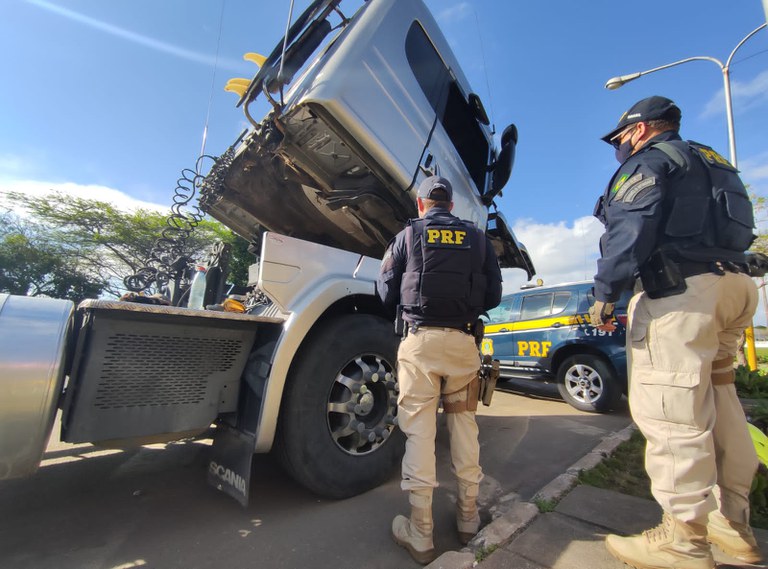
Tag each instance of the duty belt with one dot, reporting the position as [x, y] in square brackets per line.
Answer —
[693, 268]
[411, 328]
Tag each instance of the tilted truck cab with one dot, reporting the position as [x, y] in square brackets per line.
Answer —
[319, 187]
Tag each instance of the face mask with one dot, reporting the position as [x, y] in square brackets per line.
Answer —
[624, 151]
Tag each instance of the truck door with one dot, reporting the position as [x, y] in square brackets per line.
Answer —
[458, 145]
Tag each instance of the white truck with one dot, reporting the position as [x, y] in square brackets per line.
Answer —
[321, 185]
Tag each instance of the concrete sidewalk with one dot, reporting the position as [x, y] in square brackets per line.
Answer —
[571, 536]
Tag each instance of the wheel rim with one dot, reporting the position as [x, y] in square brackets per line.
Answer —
[362, 404]
[584, 383]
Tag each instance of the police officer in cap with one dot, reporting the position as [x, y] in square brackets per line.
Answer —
[441, 273]
[677, 216]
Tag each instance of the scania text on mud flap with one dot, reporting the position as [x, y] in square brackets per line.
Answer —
[363, 107]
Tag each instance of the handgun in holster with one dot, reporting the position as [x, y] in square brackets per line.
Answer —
[489, 375]
[400, 328]
[478, 331]
[757, 264]
[661, 276]
[489, 368]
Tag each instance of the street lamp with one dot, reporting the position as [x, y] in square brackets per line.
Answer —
[616, 82]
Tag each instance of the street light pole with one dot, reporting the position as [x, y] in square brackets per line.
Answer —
[616, 82]
[725, 69]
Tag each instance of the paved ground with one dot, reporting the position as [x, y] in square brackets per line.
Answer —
[150, 508]
[572, 536]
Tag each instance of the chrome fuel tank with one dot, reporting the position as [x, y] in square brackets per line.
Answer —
[34, 333]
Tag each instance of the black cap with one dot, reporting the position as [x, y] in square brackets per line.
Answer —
[648, 109]
[436, 188]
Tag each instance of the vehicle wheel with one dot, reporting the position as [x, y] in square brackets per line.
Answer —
[588, 383]
[336, 434]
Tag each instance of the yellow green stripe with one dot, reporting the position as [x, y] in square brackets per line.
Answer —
[540, 323]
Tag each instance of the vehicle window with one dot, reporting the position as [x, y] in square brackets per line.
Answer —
[502, 313]
[536, 306]
[449, 103]
[560, 301]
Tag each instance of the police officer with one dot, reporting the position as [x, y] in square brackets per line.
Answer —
[441, 273]
[677, 215]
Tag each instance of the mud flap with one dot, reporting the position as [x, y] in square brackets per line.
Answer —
[229, 467]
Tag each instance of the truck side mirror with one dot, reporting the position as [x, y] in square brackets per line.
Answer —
[501, 169]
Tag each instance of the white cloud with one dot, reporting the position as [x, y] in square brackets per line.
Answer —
[754, 168]
[139, 39]
[745, 95]
[115, 197]
[13, 164]
[455, 13]
[560, 252]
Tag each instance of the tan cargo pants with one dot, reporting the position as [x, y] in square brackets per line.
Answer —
[432, 362]
[680, 352]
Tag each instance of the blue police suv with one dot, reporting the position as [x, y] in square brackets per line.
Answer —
[544, 334]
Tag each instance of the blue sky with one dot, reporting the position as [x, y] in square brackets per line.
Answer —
[109, 99]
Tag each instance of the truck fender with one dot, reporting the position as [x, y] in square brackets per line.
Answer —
[304, 279]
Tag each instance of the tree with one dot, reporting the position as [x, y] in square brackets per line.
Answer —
[103, 244]
[29, 265]
[761, 243]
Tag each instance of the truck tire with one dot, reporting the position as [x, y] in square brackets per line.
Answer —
[588, 383]
[337, 434]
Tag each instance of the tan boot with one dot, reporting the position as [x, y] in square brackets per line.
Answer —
[672, 544]
[735, 539]
[415, 534]
[467, 515]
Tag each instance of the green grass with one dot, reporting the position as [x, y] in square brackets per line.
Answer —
[624, 471]
[545, 506]
[751, 384]
[484, 552]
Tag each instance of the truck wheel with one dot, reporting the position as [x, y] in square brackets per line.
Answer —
[337, 434]
[588, 383]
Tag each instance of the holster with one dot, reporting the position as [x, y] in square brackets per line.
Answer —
[463, 400]
[478, 331]
[757, 264]
[661, 277]
[489, 375]
[400, 328]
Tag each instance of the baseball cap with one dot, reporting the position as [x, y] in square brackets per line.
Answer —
[648, 109]
[435, 188]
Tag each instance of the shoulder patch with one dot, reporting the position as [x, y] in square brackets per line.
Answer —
[633, 191]
[713, 157]
[388, 262]
[621, 189]
[619, 183]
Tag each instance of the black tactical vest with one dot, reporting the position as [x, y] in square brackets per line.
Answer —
[710, 215]
[443, 283]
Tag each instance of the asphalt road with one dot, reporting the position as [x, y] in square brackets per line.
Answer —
[89, 508]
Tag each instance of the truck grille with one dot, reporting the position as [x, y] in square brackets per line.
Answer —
[154, 370]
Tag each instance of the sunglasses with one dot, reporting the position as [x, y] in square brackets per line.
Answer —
[616, 140]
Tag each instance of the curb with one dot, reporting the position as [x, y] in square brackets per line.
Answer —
[517, 517]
